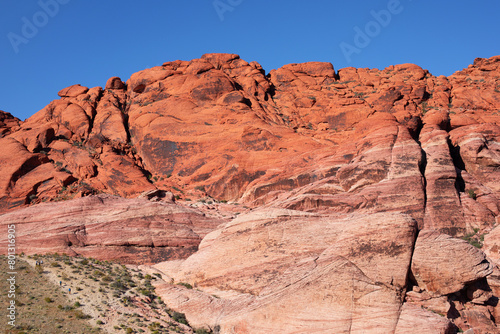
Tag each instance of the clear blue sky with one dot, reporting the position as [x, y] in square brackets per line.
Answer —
[87, 42]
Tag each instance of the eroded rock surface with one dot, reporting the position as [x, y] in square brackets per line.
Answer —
[332, 173]
[443, 265]
[110, 228]
[337, 274]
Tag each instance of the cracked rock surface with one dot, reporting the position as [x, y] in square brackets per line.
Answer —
[303, 199]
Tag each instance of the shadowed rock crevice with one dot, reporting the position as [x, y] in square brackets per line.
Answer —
[93, 114]
[459, 165]
[29, 165]
[422, 166]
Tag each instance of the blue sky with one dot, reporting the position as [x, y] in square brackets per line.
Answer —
[45, 47]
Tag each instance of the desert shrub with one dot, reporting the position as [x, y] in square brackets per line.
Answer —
[154, 326]
[474, 239]
[201, 331]
[49, 300]
[187, 285]
[118, 285]
[145, 292]
[107, 278]
[180, 318]
[80, 315]
[98, 273]
[472, 194]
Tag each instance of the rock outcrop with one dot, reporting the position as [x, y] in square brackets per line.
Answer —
[305, 199]
[108, 227]
[443, 265]
[338, 274]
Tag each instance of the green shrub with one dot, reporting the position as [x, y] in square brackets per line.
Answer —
[425, 108]
[187, 285]
[145, 292]
[202, 331]
[49, 300]
[472, 194]
[80, 315]
[107, 278]
[98, 273]
[180, 318]
[154, 326]
[473, 239]
[118, 285]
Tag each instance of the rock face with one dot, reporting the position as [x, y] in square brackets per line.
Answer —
[110, 228]
[353, 190]
[7, 123]
[349, 279]
[443, 265]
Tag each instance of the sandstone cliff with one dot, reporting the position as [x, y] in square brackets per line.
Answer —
[354, 189]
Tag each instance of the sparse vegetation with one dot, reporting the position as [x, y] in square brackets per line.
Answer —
[37, 312]
[179, 317]
[424, 107]
[187, 285]
[202, 331]
[474, 239]
[472, 194]
[89, 301]
[359, 95]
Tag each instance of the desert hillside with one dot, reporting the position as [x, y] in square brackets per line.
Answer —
[303, 200]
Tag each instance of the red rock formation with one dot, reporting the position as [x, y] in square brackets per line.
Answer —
[315, 144]
[288, 269]
[443, 265]
[7, 123]
[110, 228]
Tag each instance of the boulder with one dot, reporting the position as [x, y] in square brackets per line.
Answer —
[443, 265]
